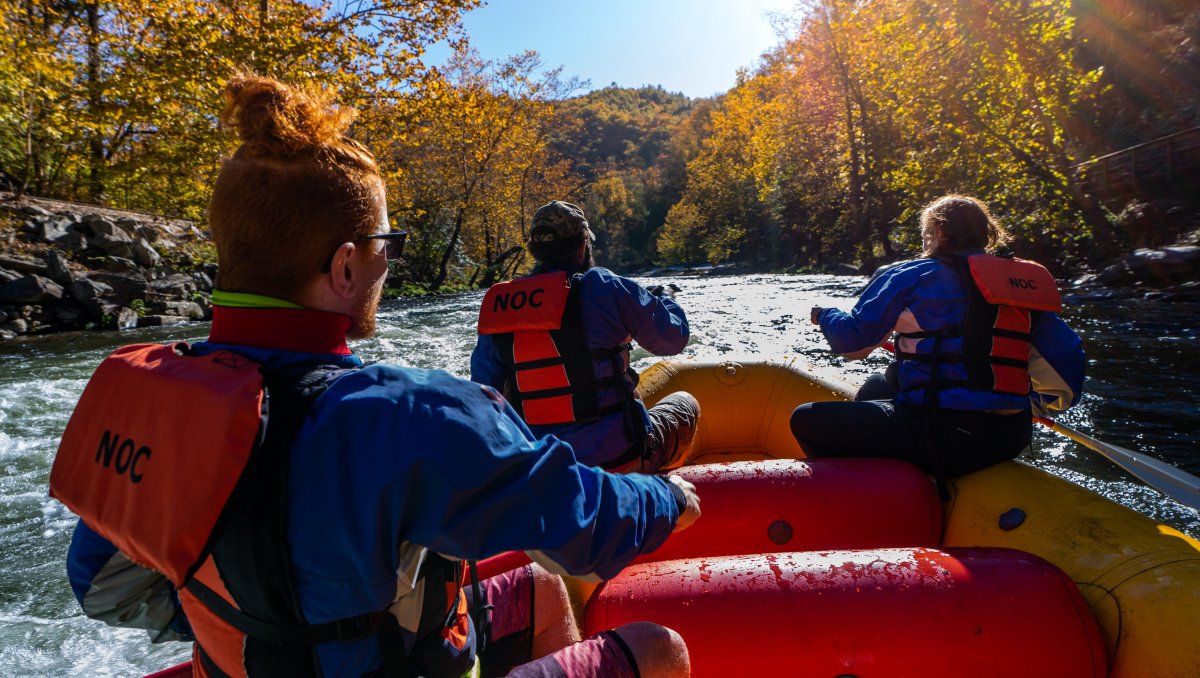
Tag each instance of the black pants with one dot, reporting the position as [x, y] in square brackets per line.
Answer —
[962, 440]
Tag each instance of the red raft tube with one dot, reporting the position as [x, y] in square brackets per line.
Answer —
[885, 612]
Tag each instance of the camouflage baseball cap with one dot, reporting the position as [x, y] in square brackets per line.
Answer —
[558, 220]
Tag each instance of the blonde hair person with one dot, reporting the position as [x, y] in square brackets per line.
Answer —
[978, 345]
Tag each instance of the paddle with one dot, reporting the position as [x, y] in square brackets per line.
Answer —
[1176, 483]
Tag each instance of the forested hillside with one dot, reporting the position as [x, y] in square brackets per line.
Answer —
[821, 154]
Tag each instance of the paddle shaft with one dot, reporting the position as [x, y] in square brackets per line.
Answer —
[1176, 483]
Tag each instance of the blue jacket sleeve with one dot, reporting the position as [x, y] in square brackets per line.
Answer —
[464, 476]
[113, 589]
[486, 367]
[1056, 365]
[658, 324]
[873, 316]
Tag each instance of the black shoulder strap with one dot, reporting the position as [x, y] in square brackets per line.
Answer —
[251, 551]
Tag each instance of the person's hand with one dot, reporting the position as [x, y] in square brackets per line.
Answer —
[813, 315]
[661, 291]
[692, 510]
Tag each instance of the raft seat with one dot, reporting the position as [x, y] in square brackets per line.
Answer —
[880, 612]
[781, 505]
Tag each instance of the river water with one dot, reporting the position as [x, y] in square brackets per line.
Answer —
[1142, 392]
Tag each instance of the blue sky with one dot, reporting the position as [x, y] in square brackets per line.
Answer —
[689, 46]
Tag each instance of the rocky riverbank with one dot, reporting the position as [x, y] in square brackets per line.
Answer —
[66, 266]
[69, 266]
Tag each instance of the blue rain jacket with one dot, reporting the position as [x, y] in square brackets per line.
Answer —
[927, 295]
[615, 310]
[392, 456]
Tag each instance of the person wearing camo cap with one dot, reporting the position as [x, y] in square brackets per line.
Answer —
[556, 343]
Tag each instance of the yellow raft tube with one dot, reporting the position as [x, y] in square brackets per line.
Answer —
[1140, 578]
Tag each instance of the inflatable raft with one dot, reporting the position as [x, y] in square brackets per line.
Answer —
[1020, 573]
[853, 567]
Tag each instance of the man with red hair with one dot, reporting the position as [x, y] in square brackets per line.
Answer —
[296, 512]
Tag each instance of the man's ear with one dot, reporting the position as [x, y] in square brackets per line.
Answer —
[343, 274]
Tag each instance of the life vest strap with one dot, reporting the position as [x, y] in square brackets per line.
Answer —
[593, 354]
[928, 359]
[350, 628]
[607, 382]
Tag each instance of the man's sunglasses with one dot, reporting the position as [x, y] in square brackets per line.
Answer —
[393, 245]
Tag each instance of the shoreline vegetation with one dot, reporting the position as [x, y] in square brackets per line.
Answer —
[817, 160]
[85, 267]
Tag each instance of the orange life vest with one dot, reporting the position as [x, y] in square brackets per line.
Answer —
[200, 499]
[537, 326]
[1002, 293]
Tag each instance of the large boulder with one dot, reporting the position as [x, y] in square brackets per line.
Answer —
[36, 211]
[16, 262]
[126, 285]
[68, 314]
[125, 318]
[48, 229]
[175, 286]
[31, 289]
[187, 309]
[18, 326]
[74, 242]
[144, 253]
[57, 268]
[113, 263]
[150, 234]
[91, 294]
[1157, 267]
[98, 224]
[129, 225]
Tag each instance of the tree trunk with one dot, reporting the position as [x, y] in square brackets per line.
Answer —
[96, 160]
[438, 280]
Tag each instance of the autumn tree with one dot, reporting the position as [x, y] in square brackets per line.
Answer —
[473, 164]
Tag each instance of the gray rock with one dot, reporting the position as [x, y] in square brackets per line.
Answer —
[14, 262]
[7, 276]
[66, 314]
[1156, 267]
[187, 309]
[98, 224]
[126, 318]
[150, 234]
[90, 293]
[160, 320]
[203, 282]
[204, 301]
[129, 225]
[144, 253]
[126, 285]
[49, 229]
[177, 286]
[35, 211]
[31, 289]
[58, 269]
[3, 316]
[73, 241]
[6, 334]
[114, 243]
[113, 263]
[18, 326]
[27, 311]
